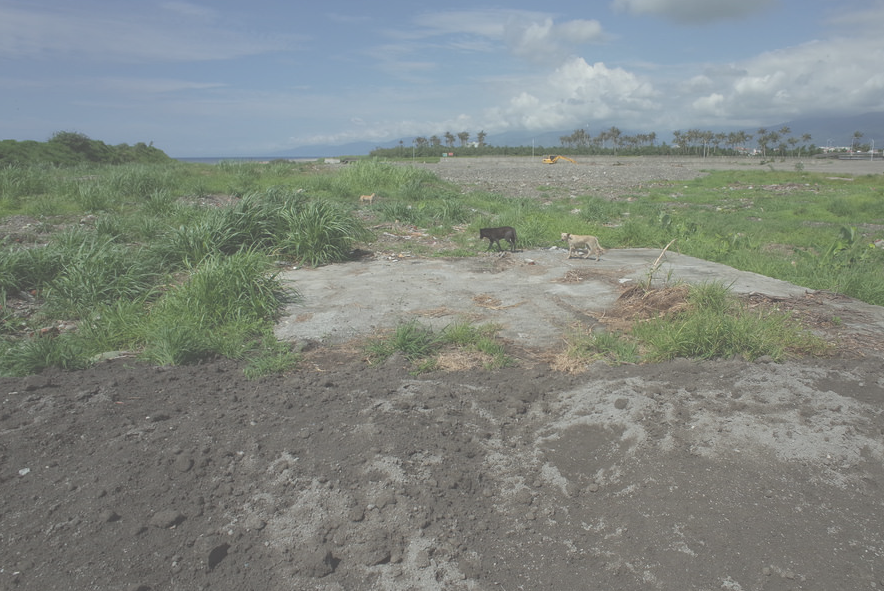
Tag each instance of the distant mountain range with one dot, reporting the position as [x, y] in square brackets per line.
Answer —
[835, 131]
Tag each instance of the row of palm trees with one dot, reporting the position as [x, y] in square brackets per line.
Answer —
[608, 138]
[694, 141]
[435, 141]
[699, 142]
[770, 142]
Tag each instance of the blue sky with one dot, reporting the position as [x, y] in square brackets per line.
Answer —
[201, 78]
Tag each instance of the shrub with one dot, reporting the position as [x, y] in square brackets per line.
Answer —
[318, 233]
[716, 325]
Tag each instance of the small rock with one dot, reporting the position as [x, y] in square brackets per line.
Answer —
[422, 559]
[254, 523]
[376, 555]
[108, 516]
[320, 563]
[166, 519]
[620, 403]
[183, 463]
[356, 513]
[217, 554]
[594, 487]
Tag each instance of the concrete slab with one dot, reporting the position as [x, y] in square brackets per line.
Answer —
[534, 295]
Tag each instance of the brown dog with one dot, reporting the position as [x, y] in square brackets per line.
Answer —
[366, 199]
[590, 243]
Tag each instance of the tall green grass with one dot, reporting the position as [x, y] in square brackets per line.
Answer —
[318, 233]
[713, 324]
[19, 184]
[95, 270]
[716, 324]
[120, 278]
[154, 229]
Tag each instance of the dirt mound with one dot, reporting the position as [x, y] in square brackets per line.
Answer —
[345, 476]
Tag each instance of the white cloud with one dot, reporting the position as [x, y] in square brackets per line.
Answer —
[482, 23]
[693, 11]
[710, 105]
[698, 83]
[812, 77]
[576, 93]
[541, 40]
[530, 35]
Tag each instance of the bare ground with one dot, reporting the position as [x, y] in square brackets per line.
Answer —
[340, 475]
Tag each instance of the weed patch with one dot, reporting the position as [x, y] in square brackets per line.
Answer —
[450, 348]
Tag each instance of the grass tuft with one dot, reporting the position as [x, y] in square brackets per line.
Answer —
[318, 234]
[421, 346]
[715, 324]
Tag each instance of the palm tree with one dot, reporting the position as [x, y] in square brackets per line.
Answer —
[464, 137]
[614, 135]
[603, 137]
[804, 138]
[857, 135]
[582, 137]
[678, 138]
[762, 140]
[718, 139]
[773, 137]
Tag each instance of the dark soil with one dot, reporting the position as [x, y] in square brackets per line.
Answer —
[342, 475]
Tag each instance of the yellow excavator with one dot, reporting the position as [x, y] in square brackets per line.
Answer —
[553, 159]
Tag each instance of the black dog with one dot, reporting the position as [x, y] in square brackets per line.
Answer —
[497, 234]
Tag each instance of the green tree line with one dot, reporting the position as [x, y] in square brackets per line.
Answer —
[67, 148]
[694, 142]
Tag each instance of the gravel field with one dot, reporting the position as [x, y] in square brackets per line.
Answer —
[609, 176]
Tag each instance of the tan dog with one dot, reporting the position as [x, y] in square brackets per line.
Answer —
[590, 243]
[366, 199]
